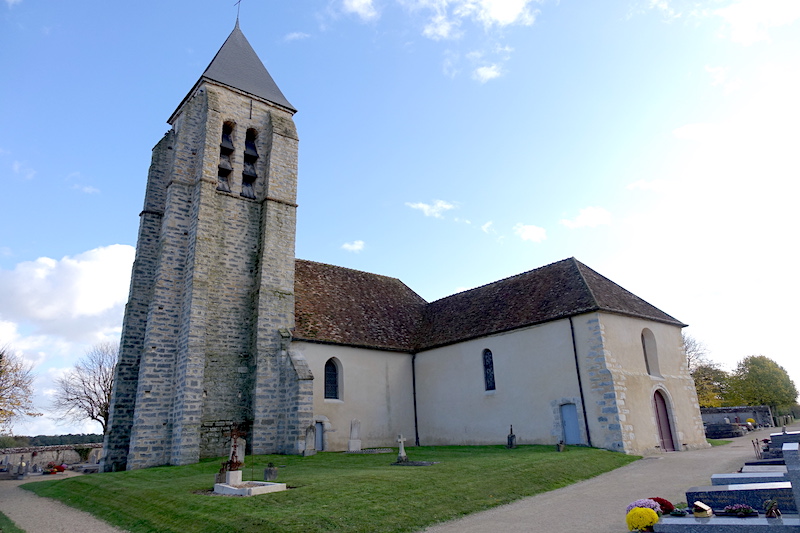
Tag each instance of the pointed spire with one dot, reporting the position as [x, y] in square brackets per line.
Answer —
[237, 65]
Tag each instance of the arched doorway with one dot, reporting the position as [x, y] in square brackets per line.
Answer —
[662, 422]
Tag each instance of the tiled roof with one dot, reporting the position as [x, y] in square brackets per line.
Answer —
[342, 306]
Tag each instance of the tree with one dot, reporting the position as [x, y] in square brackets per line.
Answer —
[85, 391]
[16, 388]
[758, 380]
[711, 383]
[696, 353]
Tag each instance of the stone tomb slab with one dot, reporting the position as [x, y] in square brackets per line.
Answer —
[248, 488]
[753, 494]
[727, 524]
[763, 468]
[753, 477]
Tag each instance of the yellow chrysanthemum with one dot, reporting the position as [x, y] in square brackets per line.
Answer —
[639, 518]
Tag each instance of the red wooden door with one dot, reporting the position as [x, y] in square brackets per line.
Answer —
[662, 421]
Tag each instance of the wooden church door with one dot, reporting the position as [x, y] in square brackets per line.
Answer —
[662, 421]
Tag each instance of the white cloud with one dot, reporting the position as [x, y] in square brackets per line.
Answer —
[440, 27]
[12, 3]
[487, 227]
[745, 21]
[74, 298]
[432, 210]
[363, 8]
[530, 233]
[749, 21]
[296, 36]
[486, 73]
[450, 64]
[355, 246]
[88, 189]
[589, 217]
[23, 170]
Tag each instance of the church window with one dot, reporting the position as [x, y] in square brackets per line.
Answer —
[488, 370]
[225, 152]
[332, 379]
[650, 352]
[250, 159]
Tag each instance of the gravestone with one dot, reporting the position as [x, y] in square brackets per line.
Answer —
[753, 494]
[753, 477]
[311, 441]
[792, 457]
[401, 452]
[354, 444]
[511, 440]
[737, 493]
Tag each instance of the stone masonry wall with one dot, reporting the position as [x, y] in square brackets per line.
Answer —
[123, 397]
[214, 292]
[605, 390]
[151, 435]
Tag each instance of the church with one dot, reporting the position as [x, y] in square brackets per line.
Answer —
[226, 330]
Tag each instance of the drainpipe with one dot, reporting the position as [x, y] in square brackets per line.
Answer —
[414, 389]
[580, 382]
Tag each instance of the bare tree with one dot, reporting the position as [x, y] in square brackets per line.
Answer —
[696, 353]
[85, 391]
[16, 388]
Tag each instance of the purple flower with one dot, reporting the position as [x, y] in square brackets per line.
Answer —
[646, 503]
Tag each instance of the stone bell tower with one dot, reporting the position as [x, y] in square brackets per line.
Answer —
[206, 329]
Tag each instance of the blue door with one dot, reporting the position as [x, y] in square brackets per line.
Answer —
[569, 424]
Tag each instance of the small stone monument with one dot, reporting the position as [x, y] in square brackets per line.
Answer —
[401, 453]
[354, 444]
[311, 441]
[512, 439]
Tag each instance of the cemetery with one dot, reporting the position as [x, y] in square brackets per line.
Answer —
[763, 496]
[19, 463]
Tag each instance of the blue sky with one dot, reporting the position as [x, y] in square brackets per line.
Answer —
[448, 143]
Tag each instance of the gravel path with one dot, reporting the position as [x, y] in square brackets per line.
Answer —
[35, 514]
[598, 504]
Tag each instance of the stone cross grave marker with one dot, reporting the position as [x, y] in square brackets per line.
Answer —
[401, 453]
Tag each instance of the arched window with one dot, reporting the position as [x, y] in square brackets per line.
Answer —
[488, 370]
[332, 380]
[650, 352]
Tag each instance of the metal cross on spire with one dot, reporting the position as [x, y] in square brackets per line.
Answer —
[238, 5]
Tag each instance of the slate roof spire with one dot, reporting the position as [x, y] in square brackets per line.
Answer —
[237, 65]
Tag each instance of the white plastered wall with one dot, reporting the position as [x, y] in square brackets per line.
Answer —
[375, 388]
[534, 372]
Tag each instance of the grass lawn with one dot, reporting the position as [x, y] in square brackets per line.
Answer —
[7, 526]
[718, 442]
[331, 491]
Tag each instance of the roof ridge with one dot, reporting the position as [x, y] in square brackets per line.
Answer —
[577, 264]
[501, 280]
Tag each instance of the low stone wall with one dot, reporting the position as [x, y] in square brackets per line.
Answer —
[63, 454]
